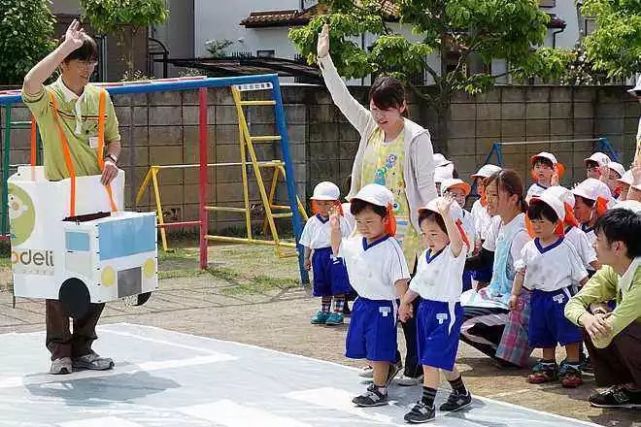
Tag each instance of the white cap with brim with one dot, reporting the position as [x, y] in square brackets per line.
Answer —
[561, 193]
[375, 194]
[592, 189]
[440, 160]
[455, 210]
[455, 182]
[552, 201]
[326, 191]
[486, 171]
[599, 158]
[627, 178]
[443, 173]
[631, 205]
[617, 167]
[544, 155]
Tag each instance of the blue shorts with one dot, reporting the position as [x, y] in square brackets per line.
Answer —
[372, 331]
[548, 324]
[330, 274]
[467, 280]
[438, 327]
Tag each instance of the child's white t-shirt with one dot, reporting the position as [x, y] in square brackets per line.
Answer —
[470, 230]
[550, 268]
[439, 277]
[482, 220]
[579, 240]
[374, 269]
[317, 233]
[535, 189]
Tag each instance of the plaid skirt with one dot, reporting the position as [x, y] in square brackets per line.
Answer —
[514, 343]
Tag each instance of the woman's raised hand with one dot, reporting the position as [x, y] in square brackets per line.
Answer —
[322, 48]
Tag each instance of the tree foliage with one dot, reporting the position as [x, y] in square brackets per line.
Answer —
[615, 45]
[124, 18]
[26, 32]
[108, 16]
[479, 30]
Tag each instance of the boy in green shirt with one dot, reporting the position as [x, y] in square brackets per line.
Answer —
[614, 340]
[77, 112]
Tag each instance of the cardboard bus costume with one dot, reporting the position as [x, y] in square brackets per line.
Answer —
[71, 241]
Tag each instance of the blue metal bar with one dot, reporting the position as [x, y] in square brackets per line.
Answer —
[297, 221]
[168, 86]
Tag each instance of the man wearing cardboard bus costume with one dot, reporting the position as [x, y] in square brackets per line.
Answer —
[68, 109]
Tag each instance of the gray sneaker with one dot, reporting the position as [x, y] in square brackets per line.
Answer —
[93, 362]
[394, 368]
[61, 366]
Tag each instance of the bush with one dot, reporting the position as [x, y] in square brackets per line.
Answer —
[26, 36]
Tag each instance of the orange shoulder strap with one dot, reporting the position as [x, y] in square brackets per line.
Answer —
[101, 144]
[67, 155]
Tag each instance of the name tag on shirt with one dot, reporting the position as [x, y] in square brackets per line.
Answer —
[93, 141]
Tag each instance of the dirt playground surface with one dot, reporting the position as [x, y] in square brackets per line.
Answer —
[250, 296]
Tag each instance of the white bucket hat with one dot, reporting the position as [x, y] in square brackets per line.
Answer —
[375, 194]
[544, 155]
[618, 168]
[440, 160]
[631, 205]
[326, 191]
[627, 178]
[552, 201]
[592, 189]
[455, 210]
[486, 171]
[601, 159]
[561, 193]
[455, 182]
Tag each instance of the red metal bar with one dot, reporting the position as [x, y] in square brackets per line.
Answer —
[178, 224]
[202, 99]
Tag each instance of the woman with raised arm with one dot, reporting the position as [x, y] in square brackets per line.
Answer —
[394, 152]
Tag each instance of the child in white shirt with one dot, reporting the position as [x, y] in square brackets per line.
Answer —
[551, 269]
[440, 315]
[330, 277]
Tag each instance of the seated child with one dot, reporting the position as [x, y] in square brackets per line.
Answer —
[330, 277]
[482, 222]
[550, 268]
[379, 274]
[440, 315]
[591, 202]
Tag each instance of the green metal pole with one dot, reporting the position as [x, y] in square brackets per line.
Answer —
[5, 169]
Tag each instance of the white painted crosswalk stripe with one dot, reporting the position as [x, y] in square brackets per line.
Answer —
[338, 400]
[100, 422]
[230, 414]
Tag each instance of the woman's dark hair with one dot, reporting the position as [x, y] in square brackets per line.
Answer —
[589, 164]
[510, 182]
[87, 52]
[387, 92]
[432, 216]
[621, 225]
[590, 203]
[357, 206]
[539, 210]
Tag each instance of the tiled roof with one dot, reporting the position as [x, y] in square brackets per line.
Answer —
[288, 18]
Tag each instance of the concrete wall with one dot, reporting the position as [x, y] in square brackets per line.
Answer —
[323, 144]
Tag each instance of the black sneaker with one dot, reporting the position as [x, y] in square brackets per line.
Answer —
[616, 397]
[372, 397]
[456, 402]
[420, 413]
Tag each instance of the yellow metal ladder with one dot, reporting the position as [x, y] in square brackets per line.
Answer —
[248, 157]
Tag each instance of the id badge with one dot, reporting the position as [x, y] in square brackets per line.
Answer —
[93, 141]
